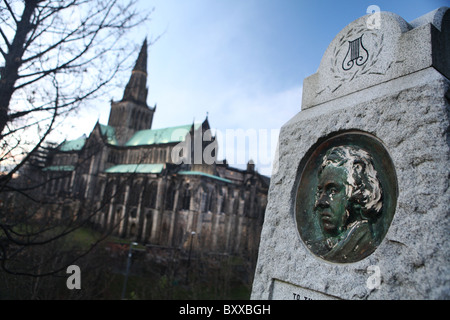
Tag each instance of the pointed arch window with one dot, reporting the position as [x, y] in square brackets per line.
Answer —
[150, 194]
[204, 201]
[212, 201]
[186, 200]
[135, 192]
[170, 196]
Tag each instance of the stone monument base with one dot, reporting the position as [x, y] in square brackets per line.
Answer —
[406, 109]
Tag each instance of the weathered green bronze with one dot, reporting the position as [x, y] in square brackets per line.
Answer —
[346, 197]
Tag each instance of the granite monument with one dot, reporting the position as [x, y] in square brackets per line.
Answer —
[358, 207]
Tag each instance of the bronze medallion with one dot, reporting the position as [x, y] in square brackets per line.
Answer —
[346, 196]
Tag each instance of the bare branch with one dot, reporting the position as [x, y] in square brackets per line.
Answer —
[12, 12]
[37, 146]
[5, 38]
[3, 53]
[47, 68]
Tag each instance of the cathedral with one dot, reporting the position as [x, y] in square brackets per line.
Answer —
[156, 186]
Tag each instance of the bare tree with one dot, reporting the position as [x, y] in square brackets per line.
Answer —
[54, 56]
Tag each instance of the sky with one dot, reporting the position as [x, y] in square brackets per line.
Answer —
[241, 62]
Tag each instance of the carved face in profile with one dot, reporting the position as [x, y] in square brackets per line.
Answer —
[346, 197]
[332, 201]
[348, 200]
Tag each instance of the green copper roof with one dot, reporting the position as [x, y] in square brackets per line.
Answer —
[198, 173]
[59, 168]
[73, 145]
[110, 134]
[136, 168]
[160, 136]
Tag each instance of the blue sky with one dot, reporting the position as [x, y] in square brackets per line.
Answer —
[241, 61]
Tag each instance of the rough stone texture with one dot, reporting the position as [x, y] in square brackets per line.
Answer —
[410, 115]
[414, 256]
[395, 49]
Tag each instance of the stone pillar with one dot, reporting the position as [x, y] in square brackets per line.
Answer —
[157, 213]
[123, 216]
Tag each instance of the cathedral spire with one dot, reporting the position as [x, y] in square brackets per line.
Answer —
[141, 62]
[136, 89]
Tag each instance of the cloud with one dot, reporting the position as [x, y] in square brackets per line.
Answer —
[250, 109]
[249, 125]
[246, 118]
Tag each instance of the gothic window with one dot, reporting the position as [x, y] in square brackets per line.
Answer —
[141, 121]
[170, 196]
[256, 206]
[228, 205]
[212, 201]
[133, 197]
[133, 230]
[48, 186]
[144, 117]
[56, 187]
[204, 201]
[236, 203]
[108, 194]
[247, 204]
[136, 120]
[150, 153]
[133, 119]
[162, 155]
[99, 189]
[148, 228]
[221, 201]
[186, 201]
[149, 196]
[159, 156]
[262, 210]
[82, 188]
[120, 193]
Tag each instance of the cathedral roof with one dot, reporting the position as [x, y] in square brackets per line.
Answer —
[198, 173]
[59, 168]
[136, 168]
[161, 136]
[73, 145]
[109, 133]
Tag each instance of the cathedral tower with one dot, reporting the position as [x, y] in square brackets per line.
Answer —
[132, 113]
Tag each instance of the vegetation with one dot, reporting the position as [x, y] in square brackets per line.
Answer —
[103, 273]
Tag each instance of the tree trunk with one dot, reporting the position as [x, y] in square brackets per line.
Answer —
[13, 60]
